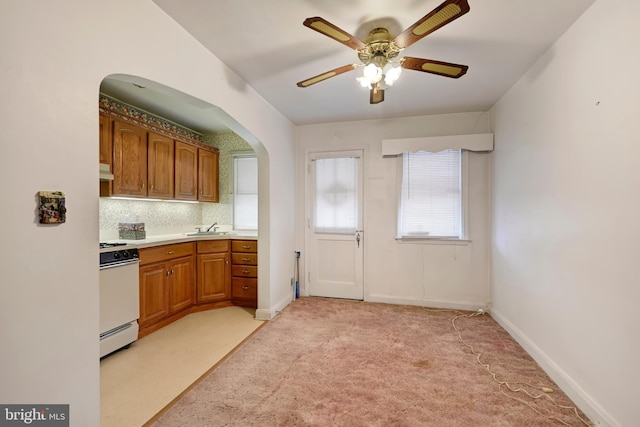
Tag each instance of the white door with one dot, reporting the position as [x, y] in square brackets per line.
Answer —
[335, 236]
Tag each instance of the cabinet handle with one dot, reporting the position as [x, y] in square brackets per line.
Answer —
[245, 271]
[245, 287]
[168, 272]
[141, 185]
[246, 259]
[170, 253]
[246, 247]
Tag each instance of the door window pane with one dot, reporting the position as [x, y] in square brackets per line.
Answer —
[335, 205]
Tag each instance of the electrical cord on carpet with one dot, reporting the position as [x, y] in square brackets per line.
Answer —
[545, 390]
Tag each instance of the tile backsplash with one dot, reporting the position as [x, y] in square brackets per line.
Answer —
[158, 217]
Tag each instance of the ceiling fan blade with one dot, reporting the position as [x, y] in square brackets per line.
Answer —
[328, 29]
[325, 76]
[446, 69]
[438, 17]
[376, 95]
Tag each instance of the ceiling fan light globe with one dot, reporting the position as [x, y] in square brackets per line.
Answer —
[372, 73]
[364, 82]
[392, 75]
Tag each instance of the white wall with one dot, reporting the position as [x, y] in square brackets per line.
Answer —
[55, 54]
[566, 263]
[435, 275]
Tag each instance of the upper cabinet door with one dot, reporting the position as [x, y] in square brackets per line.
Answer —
[186, 175]
[106, 147]
[208, 182]
[106, 152]
[129, 160]
[160, 174]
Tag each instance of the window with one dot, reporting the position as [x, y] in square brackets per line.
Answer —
[245, 192]
[431, 195]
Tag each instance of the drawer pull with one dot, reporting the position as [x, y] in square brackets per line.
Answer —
[245, 287]
[246, 259]
[245, 271]
[246, 247]
[170, 252]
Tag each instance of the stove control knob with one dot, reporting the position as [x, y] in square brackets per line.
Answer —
[116, 255]
[126, 254]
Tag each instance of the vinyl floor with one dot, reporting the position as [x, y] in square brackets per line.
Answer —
[138, 382]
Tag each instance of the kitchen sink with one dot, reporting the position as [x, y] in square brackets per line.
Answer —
[210, 233]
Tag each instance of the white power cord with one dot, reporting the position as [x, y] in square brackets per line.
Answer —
[545, 390]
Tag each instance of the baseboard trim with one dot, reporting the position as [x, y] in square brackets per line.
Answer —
[270, 313]
[569, 386]
[432, 303]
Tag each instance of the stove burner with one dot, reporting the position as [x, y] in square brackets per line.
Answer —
[110, 245]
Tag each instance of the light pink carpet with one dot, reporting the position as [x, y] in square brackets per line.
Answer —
[329, 362]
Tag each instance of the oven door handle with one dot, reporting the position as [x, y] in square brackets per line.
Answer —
[120, 264]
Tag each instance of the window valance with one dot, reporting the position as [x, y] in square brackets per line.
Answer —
[473, 142]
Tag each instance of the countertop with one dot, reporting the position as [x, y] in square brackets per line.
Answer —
[166, 239]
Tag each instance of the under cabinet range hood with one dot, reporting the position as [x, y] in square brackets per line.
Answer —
[105, 172]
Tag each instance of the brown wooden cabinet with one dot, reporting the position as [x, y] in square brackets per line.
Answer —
[153, 164]
[244, 273]
[186, 166]
[129, 160]
[214, 278]
[160, 163]
[106, 147]
[167, 284]
[154, 303]
[106, 152]
[208, 175]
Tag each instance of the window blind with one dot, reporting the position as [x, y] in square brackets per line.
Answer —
[431, 201]
[245, 192]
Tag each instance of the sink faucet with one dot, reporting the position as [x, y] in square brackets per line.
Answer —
[213, 226]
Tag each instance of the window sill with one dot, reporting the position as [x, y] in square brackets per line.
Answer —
[433, 241]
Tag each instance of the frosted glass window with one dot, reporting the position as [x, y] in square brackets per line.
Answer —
[335, 207]
[245, 193]
[431, 202]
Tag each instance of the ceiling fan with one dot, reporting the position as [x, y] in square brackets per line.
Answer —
[379, 51]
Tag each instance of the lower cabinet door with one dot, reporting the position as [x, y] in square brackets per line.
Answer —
[181, 284]
[214, 277]
[154, 301]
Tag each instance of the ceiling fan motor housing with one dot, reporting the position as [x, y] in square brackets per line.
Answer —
[380, 48]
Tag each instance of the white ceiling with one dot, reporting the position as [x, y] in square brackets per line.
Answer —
[266, 44]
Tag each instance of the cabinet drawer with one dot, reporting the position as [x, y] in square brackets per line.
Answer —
[212, 246]
[244, 271]
[244, 288]
[166, 252]
[244, 259]
[244, 246]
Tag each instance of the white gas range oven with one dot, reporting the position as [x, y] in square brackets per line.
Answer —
[119, 296]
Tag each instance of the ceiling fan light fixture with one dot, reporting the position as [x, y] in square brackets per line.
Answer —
[364, 82]
[392, 74]
[372, 73]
